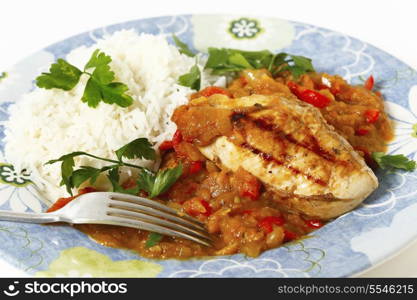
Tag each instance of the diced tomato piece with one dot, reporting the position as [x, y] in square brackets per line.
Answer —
[243, 80]
[369, 83]
[195, 167]
[335, 88]
[314, 98]
[362, 131]
[247, 184]
[294, 88]
[207, 207]
[197, 206]
[212, 90]
[177, 138]
[267, 222]
[322, 86]
[167, 145]
[252, 190]
[315, 224]
[372, 115]
[289, 236]
[61, 202]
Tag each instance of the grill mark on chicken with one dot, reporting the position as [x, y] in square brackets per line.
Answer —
[312, 146]
[280, 135]
[269, 158]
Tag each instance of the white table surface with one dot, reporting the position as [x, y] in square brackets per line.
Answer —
[27, 26]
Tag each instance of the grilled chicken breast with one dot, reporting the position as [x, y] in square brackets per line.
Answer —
[287, 145]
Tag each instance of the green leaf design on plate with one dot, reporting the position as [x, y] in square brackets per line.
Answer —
[8, 175]
[84, 262]
[313, 256]
[27, 245]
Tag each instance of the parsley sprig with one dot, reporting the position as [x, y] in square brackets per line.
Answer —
[223, 61]
[398, 161]
[182, 47]
[100, 86]
[153, 183]
[192, 79]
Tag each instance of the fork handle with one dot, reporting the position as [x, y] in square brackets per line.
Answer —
[7, 215]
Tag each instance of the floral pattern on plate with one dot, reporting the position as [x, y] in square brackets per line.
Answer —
[241, 32]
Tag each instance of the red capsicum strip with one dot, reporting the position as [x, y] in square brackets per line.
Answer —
[315, 224]
[168, 145]
[207, 209]
[267, 222]
[372, 115]
[369, 83]
[361, 131]
[212, 90]
[314, 98]
[195, 167]
[177, 138]
[252, 190]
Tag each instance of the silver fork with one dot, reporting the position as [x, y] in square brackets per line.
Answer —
[121, 210]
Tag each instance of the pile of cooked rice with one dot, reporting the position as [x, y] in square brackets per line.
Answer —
[46, 124]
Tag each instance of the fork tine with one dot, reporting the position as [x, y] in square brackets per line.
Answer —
[151, 203]
[123, 221]
[154, 212]
[120, 211]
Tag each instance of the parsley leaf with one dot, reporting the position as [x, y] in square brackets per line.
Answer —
[98, 59]
[192, 79]
[218, 61]
[224, 60]
[115, 93]
[156, 184]
[153, 239]
[92, 93]
[296, 64]
[139, 148]
[183, 47]
[398, 161]
[87, 173]
[99, 87]
[62, 76]
[113, 176]
[67, 168]
[74, 178]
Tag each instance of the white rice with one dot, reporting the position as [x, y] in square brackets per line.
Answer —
[46, 124]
